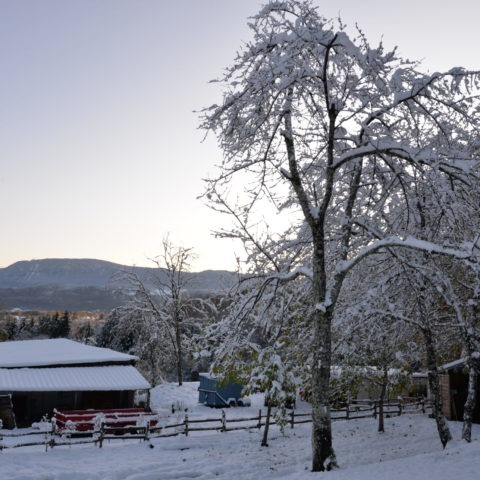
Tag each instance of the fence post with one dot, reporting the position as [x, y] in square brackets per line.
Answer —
[53, 431]
[374, 409]
[260, 419]
[422, 401]
[399, 409]
[100, 438]
[347, 411]
[51, 434]
[292, 419]
[46, 440]
[147, 431]
[224, 421]
[186, 425]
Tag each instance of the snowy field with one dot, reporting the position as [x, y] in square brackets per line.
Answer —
[408, 450]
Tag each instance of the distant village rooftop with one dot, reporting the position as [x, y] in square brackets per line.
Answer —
[52, 352]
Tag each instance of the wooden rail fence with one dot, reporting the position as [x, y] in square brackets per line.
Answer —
[53, 438]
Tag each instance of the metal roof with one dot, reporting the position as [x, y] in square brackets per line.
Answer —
[71, 379]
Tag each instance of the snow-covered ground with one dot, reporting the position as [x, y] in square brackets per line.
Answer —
[408, 450]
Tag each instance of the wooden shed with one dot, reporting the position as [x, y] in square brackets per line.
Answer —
[454, 389]
[43, 375]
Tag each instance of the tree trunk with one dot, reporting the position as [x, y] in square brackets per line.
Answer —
[323, 455]
[470, 403]
[178, 340]
[267, 425]
[434, 384]
[383, 391]
[473, 367]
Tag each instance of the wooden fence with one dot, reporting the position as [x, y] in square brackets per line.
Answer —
[52, 438]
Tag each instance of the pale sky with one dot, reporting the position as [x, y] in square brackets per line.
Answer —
[99, 147]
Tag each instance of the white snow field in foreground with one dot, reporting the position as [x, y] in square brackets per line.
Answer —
[408, 450]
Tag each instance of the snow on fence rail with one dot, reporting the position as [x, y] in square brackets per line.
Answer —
[52, 437]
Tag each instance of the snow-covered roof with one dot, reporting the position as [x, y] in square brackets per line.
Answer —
[59, 351]
[455, 364]
[68, 379]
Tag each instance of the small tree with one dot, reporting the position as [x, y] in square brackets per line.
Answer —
[114, 335]
[11, 328]
[377, 351]
[165, 316]
[410, 297]
[86, 334]
[273, 376]
[3, 335]
[257, 342]
[176, 261]
[55, 326]
[63, 327]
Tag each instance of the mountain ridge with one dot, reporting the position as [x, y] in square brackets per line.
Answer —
[73, 283]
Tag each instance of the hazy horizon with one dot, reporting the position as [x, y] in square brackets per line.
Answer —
[146, 265]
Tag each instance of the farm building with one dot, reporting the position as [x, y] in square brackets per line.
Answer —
[213, 393]
[454, 389]
[40, 375]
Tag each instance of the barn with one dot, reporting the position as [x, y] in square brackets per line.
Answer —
[41, 375]
[454, 389]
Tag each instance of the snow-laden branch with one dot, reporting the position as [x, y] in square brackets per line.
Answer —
[465, 252]
[390, 147]
[383, 147]
[397, 316]
[294, 274]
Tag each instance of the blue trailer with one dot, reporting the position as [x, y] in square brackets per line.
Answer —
[214, 394]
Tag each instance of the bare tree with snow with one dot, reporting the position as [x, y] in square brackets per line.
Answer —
[162, 318]
[176, 260]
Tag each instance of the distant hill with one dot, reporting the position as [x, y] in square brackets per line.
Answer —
[87, 284]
